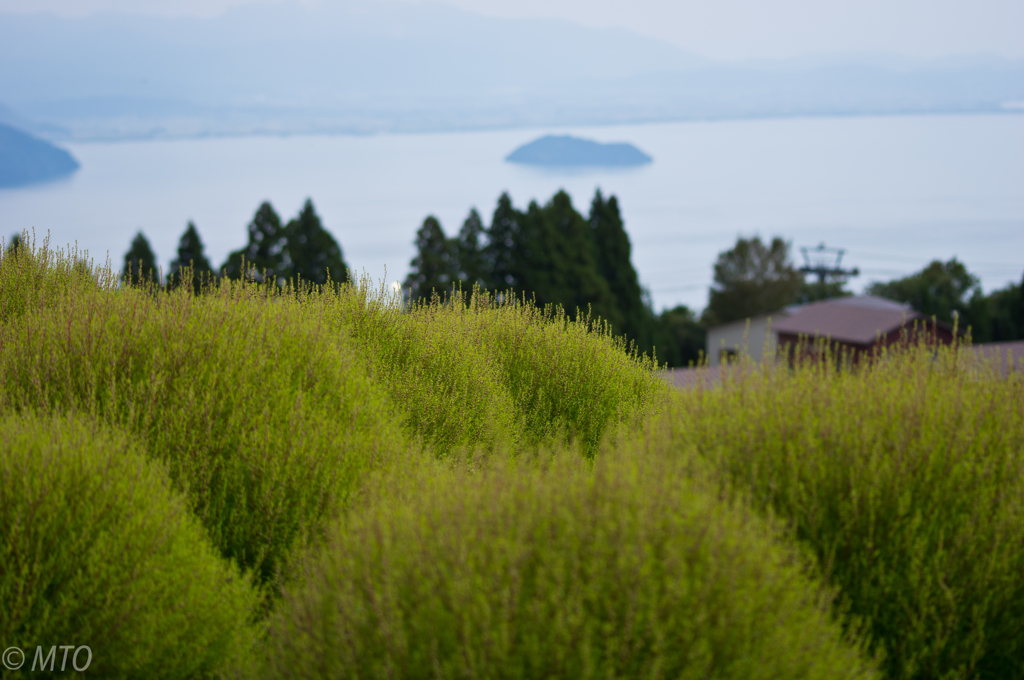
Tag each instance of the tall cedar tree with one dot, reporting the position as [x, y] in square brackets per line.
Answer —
[471, 254]
[534, 265]
[313, 252]
[191, 256]
[139, 261]
[560, 261]
[752, 279]
[266, 254]
[613, 251]
[503, 238]
[434, 267]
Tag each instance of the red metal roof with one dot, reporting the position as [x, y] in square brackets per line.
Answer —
[858, 319]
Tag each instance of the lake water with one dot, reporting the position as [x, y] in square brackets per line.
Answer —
[896, 192]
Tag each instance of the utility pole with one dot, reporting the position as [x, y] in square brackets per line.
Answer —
[816, 261]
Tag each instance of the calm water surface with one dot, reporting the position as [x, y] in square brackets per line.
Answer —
[896, 192]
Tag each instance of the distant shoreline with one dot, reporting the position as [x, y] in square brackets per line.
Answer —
[164, 134]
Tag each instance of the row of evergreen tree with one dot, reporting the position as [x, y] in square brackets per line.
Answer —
[299, 250]
[556, 256]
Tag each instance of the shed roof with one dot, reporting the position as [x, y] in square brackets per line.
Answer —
[858, 319]
[1007, 355]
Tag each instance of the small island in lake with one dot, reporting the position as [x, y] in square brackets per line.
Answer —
[25, 159]
[561, 151]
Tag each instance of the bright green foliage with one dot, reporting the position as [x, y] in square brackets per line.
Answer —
[139, 262]
[905, 477]
[266, 257]
[434, 269]
[477, 372]
[191, 262]
[750, 279]
[263, 414]
[33, 276]
[568, 376]
[96, 550]
[434, 363]
[314, 254]
[628, 570]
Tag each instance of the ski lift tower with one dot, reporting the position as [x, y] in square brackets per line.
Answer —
[826, 264]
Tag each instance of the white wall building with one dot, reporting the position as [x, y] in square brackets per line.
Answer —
[749, 336]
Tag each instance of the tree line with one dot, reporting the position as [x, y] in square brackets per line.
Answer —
[554, 255]
[299, 250]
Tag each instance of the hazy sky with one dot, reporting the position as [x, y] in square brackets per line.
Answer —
[727, 29]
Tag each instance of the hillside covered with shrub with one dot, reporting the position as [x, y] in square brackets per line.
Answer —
[246, 480]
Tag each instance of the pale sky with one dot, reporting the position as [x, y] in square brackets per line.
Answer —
[723, 29]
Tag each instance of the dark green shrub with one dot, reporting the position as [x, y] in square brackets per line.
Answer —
[97, 550]
[263, 415]
[906, 478]
[625, 570]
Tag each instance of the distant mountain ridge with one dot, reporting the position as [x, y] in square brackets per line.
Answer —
[357, 67]
[567, 151]
[25, 160]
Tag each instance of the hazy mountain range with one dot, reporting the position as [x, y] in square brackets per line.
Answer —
[366, 67]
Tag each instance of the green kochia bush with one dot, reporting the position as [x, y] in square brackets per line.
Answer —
[626, 570]
[33, 276]
[97, 550]
[432, 362]
[905, 476]
[263, 415]
[471, 370]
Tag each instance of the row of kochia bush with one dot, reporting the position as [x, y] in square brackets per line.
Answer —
[275, 483]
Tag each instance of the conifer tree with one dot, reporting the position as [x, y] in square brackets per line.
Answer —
[613, 252]
[139, 262]
[266, 254]
[534, 267]
[434, 268]
[577, 283]
[313, 251]
[470, 253]
[503, 242]
[190, 255]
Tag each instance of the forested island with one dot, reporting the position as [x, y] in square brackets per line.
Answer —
[25, 159]
[564, 150]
